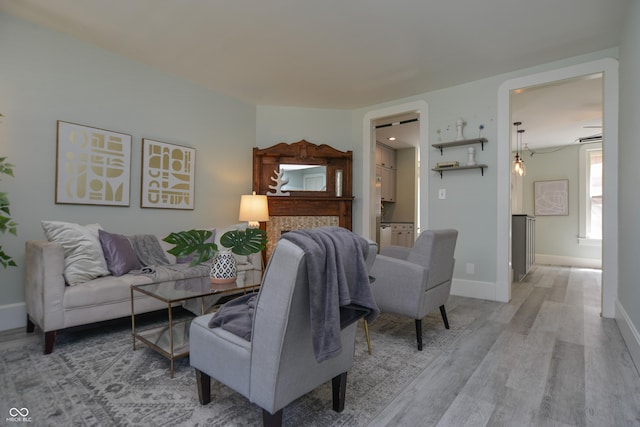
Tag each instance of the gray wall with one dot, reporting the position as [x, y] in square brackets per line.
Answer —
[556, 236]
[46, 76]
[403, 210]
[471, 202]
[629, 244]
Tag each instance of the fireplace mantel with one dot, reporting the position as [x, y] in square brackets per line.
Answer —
[318, 207]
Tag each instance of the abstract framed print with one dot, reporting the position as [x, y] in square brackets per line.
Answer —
[93, 166]
[168, 175]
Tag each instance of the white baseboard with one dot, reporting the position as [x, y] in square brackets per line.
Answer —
[474, 289]
[13, 316]
[629, 333]
[568, 261]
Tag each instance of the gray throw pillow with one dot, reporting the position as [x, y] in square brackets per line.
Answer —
[118, 253]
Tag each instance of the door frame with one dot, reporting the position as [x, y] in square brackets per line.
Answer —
[609, 68]
[368, 161]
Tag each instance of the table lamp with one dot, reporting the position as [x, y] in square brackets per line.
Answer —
[254, 209]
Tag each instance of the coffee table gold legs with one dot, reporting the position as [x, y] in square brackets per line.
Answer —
[133, 319]
[366, 333]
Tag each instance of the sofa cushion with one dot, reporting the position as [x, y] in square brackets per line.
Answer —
[83, 256]
[118, 253]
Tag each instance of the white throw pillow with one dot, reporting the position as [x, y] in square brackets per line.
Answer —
[83, 256]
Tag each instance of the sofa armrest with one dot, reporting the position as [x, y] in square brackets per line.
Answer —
[44, 284]
[255, 260]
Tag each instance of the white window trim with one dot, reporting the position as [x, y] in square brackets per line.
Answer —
[582, 198]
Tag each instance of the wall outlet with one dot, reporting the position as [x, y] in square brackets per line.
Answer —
[471, 268]
[442, 194]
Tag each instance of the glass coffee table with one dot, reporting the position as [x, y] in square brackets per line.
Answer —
[172, 339]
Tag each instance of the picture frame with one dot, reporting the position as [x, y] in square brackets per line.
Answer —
[168, 175]
[93, 166]
[551, 197]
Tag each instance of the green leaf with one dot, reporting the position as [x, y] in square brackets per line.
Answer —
[7, 225]
[244, 242]
[6, 260]
[192, 242]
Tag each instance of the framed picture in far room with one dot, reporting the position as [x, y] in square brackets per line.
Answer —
[551, 197]
[168, 175]
[93, 166]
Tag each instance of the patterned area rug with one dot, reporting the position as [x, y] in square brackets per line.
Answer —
[94, 378]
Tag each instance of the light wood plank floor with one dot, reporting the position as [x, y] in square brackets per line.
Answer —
[545, 359]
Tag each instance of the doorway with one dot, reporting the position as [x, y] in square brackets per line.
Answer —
[609, 68]
[369, 216]
[397, 180]
[556, 137]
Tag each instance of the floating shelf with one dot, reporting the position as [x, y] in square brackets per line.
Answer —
[442, 145]
[481, 167]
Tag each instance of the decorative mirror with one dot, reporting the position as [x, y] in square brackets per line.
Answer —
[302, 169]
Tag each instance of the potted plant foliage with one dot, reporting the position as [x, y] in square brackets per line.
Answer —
[223, 268]
[7, 225]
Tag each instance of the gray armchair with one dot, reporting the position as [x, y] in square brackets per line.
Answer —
[414, 281]
[279, 364]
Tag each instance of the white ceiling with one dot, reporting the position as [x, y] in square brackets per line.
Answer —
[333, 53]
[353, 53]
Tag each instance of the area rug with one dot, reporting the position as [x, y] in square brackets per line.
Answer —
[94, 378]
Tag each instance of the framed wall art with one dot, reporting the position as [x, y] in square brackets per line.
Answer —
[168, 175]
[93, 166]
[551, 197]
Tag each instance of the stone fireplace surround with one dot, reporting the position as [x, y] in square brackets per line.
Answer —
[278, 225]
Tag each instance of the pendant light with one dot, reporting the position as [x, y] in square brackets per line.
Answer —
[518, 163]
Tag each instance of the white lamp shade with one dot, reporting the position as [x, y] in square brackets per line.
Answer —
[253, 208]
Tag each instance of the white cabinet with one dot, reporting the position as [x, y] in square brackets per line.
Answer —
[386, 170]
[387, 183]
[402, 234]
[385, 156]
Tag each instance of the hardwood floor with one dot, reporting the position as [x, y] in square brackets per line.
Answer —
[545, 359]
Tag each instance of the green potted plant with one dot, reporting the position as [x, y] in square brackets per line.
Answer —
[223, 268]
[7, 225]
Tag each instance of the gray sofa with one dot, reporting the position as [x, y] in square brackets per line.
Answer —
[52, 304]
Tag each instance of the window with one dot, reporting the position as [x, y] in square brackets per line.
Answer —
[590, 194]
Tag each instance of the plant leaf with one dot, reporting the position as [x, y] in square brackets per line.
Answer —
[244, 242]
[192, 242]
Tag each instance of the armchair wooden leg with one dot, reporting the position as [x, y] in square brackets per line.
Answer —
[419, 333]
[339, 389]
[366, 334]
[444, 316]
[30, 325]
[204, 387]
[49, 341]
[271, 420]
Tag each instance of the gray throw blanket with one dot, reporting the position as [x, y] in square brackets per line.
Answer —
[339, 290]
[148, 249]
[236, 316]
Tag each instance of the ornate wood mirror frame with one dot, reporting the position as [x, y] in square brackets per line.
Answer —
[311, 204]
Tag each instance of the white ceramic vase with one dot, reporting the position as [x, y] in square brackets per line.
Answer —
[471, 158]
[223, 268]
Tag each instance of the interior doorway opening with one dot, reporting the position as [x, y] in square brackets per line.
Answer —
[554, 125]
[609, 69]
[371, 214]
[397, 183]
